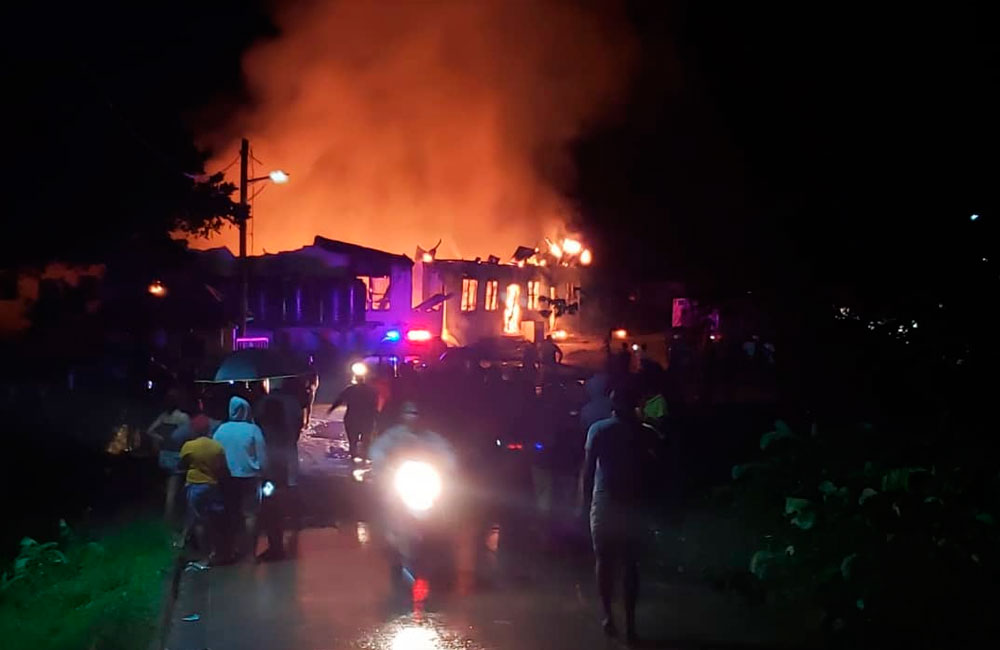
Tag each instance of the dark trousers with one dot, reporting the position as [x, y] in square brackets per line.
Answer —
[357, 436]
[272, 514]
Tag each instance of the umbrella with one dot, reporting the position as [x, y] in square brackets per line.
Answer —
[254, 364]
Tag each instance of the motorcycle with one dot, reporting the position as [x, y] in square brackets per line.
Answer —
[417, 507]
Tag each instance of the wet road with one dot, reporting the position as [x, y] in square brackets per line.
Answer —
[336, 594]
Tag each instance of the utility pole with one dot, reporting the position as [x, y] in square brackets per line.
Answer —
[243, 216]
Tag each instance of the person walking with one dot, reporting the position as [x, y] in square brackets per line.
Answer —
[297, 404]
[278, 437]
[203, 461]
[617, 455]
[170, 429]
[361, 400]
[552, 354]
[246, 458]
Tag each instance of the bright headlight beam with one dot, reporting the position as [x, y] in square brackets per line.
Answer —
[418, 484]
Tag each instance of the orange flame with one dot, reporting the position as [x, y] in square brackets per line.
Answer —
[586, 257]
[571, 246]
[512, 310]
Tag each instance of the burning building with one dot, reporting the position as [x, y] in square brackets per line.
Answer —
[338, 295]
[533, 295]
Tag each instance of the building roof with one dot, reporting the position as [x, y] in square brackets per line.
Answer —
[355, 250]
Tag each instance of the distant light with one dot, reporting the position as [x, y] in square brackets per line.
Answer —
[418, 336]
[571, 247]
[393, 336]
[586, 257]
[620, 334]
[157, 289]
[267, 489]
[359, 369]
[362, 530]
[714, 337]
[149, 385]
[635, 347]
[560, 335]
[539, 446]
[278, 176]
[973, 217]
[515, 446]
[986, 259]
[914, 324]
[498, 442]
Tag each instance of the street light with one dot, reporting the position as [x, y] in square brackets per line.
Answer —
[276, 176]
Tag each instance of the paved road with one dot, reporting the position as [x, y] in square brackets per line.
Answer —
[336, 594]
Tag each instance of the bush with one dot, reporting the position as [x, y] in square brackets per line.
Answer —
[102, 595]
[897, 550]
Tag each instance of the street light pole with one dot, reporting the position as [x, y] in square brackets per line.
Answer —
[244, 214]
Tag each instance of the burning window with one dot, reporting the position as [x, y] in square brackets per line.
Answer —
[376, 292]
[512, 310]
[470, 287]
[492, 289]
[534, 291]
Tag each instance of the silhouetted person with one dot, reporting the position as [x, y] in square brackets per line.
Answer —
[613, 479]
[278, 435]
[170, 430]
[551, 353]
[361, 400]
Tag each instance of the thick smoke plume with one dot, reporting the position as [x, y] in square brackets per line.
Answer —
[405, 121]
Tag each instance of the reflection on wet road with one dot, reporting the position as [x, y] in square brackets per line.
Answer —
[336, 594]
[415, 632]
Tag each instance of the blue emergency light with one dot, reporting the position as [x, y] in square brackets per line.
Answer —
[392, 336]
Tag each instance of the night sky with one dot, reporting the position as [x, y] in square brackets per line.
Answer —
[782, 144]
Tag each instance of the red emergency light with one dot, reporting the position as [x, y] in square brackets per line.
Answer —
[418, 336]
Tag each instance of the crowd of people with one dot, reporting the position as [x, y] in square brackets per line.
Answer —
[593, 449]
[238, 475]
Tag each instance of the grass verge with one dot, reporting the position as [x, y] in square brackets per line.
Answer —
[102, 594]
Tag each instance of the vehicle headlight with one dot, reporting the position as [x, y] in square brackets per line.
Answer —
[418, 484]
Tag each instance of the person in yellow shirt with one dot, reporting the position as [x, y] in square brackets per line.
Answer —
[204, 463]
